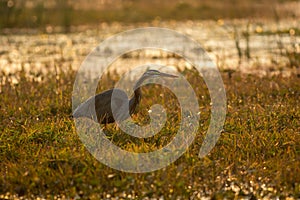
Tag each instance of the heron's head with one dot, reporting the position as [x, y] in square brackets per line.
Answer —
[151, 73]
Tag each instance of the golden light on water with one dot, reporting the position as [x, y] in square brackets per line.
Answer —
[258, 29]
[292, 31]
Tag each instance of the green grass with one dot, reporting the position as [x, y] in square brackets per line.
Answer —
[258, 152]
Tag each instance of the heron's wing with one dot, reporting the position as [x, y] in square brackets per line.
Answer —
[99, 107]
[86, 109]
[116, 108]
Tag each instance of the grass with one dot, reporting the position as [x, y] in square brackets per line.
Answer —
[257, 155]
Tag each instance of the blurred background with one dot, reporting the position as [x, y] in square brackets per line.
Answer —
[43, 14]
[253, 36]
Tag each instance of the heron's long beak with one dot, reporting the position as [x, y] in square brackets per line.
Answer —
[167, 75]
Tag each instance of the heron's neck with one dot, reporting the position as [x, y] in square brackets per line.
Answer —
[134, 101]
[139, 82]
[136, 88]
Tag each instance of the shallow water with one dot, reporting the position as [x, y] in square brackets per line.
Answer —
[44, 52]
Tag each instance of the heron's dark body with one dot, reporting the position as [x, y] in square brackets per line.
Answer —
[104, 109]
[102, 103]
[103, 106]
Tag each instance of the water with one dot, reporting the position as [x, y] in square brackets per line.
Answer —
[44, 52]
